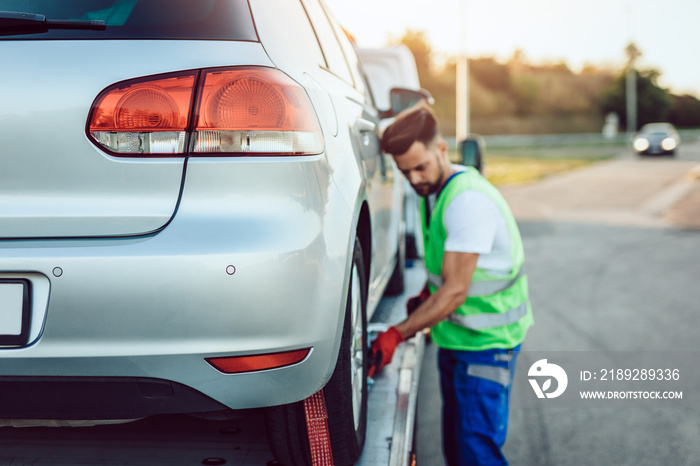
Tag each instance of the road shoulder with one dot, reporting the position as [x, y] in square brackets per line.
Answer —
[646, 193]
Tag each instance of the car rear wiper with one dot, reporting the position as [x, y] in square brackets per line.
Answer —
[15, 23]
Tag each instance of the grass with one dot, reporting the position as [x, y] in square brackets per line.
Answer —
[523, 165]
[517, 171]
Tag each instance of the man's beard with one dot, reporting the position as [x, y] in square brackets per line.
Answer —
[426, 189]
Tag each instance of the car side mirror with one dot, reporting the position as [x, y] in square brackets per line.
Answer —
[471, 152]
[400, 99]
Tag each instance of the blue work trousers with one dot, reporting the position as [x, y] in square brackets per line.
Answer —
[475, 395]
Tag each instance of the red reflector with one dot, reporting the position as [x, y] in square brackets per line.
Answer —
[258, 362]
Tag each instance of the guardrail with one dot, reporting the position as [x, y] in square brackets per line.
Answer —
[521, 140]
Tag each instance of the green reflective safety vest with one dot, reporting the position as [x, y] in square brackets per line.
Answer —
[497, 311]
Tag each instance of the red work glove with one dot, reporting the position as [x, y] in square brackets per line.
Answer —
[382, 350]
[414, 302]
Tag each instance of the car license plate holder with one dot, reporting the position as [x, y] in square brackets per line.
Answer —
[15, 301]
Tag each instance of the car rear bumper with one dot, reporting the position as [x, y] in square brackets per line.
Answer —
[232, 274]
[88, 398]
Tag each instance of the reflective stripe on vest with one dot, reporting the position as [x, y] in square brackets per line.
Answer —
[496, 374]
[481, 321]
[481, 288]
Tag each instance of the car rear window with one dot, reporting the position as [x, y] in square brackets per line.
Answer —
[141, 19]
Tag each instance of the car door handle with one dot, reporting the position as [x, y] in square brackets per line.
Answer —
[365, 126]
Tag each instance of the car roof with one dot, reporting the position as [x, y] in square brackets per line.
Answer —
[649, 127]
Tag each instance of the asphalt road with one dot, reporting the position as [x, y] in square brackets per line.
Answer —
[614, 275]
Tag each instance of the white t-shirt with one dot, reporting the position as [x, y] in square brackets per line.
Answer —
[474, 224]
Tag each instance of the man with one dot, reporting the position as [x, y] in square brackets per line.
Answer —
[476, 299]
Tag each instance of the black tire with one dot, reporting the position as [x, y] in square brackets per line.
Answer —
[347, 415]
[397, 282]
[286, 434]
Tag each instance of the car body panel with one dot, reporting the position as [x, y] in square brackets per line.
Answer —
[387, 68]
[182, 302]
[372, 181]
[55, 182]
[147, 266]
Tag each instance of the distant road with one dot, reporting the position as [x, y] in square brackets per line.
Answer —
[629, 190]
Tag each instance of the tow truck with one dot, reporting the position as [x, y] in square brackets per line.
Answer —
[175, 440]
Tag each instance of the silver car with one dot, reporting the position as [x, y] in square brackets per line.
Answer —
[195, 214]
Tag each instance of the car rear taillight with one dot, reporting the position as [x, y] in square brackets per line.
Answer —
[252, 111]
[232, 111]
[144, 116]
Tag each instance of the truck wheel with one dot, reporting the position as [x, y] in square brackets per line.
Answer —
[345, 393]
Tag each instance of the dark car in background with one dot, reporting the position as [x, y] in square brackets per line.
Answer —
[656, 139]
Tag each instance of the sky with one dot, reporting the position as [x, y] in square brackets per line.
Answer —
[577, 32]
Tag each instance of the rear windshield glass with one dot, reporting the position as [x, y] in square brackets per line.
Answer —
[140, 19]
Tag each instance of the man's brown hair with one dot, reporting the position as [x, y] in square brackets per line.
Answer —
[417, 123]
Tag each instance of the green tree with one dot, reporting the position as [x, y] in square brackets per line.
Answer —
[418, 43]
[439, 82]
[685, 112]
[526, 93]
[515, 96]
[653, 102]
[490, 74]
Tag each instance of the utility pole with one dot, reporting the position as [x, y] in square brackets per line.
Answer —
[462, 113]
[633, 54]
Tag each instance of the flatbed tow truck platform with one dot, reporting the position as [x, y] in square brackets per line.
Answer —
[392, 407]
[175, 440]
[393, 394]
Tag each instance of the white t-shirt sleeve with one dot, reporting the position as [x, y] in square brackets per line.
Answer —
[471, 221]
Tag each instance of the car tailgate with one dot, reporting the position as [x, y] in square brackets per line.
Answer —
[53, 181]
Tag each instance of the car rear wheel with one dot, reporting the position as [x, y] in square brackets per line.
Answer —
[345, 394]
